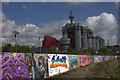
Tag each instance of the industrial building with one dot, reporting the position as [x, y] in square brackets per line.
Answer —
[79, 37]
[50, 43]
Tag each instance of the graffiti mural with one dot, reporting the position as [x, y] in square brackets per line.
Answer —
[83, 60]
[96, 59]
[0, 66]
[28, 58]
[80, 60]
[106, 57]
[100, 58]
[14, 66]
[57, 63]
[41, 64]
[103, 58]
[73, 61]
[27, 65]
[88, 59]
[91, 59]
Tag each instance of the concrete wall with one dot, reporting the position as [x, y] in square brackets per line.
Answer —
[16, 65]
[57, 63]
[73, 61]
[27, 65]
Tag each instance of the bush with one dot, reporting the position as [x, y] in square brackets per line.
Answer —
[20, 49]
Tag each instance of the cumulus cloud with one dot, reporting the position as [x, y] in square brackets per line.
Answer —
[102, 25]
[29, 33]
[5, 0]
[6, 27]
[53, 28]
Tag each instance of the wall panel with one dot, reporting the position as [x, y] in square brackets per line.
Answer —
[40, 65]
[73, 61]
[15, 66]
[57, 63]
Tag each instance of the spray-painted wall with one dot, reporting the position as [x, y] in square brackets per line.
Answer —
[0, 66]
[96, 59]
[91, 59]
[73, 61]
[15, 66]
[83, 60]
[28, 58]
[26, 65]
[40, 65]
[57, 63]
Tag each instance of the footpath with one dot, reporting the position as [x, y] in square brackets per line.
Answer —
[102, 70]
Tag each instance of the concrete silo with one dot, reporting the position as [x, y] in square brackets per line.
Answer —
[84, 38]
[77, 31]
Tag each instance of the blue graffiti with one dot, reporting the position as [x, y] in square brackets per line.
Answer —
[106, 58]
[73, 61]
[83, 59]
[100, 58]
[91, 59]
[61, 60]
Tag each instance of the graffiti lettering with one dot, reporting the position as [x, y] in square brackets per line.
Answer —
[58, 62]
[83, 59]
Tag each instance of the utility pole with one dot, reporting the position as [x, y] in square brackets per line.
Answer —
[15, 35]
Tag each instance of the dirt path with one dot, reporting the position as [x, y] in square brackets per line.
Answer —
[81, 72]
[94, 70]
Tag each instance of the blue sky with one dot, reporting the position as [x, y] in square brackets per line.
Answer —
[47, 18]
[39, 13]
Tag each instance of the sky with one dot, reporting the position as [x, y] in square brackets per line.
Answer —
[34, 19]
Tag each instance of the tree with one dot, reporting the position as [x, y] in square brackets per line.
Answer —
[104, 51]
[7, 48]
[20, 49]
[91, 51]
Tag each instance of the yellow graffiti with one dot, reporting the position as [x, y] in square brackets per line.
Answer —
[27, 57]
[96, 60]
[14, 54]
[30, 75]
[19, 67]
[58, 64]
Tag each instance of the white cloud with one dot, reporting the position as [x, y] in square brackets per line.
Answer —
[102, 25]
[53, 28]
[5, 0]
[29, 33]
[6, 27]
